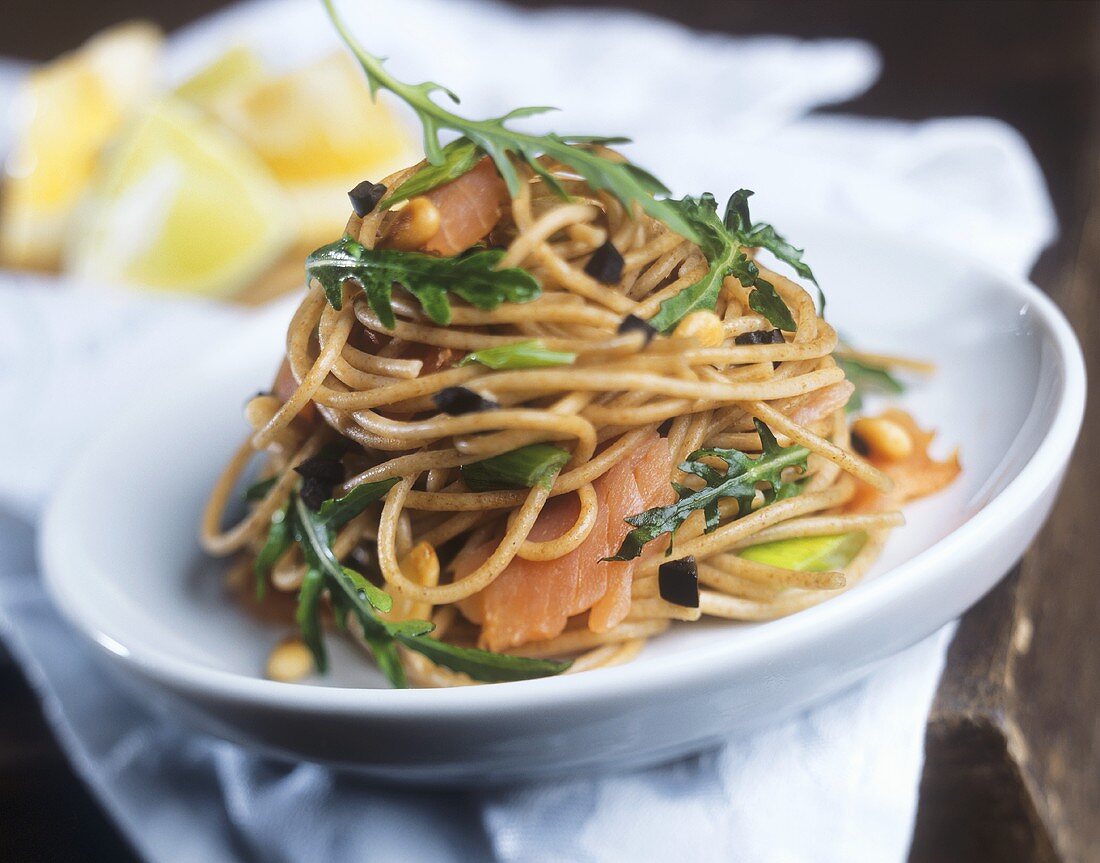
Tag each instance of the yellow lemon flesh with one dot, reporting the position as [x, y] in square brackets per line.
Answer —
[319, 132]
[233, 72]
[180, 205]
[808, 553]
[64, 113]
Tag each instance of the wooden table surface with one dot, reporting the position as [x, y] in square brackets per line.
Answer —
[1013, 742]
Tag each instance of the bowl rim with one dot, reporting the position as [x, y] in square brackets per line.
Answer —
[791, 633]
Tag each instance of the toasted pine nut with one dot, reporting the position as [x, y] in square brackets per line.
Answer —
[883, 437]
[703, 326]
[417, 223]
[290, 661]
[260, 409]
[420, 565]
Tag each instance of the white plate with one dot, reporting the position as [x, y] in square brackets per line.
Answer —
[122, 562]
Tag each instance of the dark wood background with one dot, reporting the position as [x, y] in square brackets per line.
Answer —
[1013, 746]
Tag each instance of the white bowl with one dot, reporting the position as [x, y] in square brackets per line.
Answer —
[122, 562]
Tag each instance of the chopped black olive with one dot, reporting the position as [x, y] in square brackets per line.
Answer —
[457, 401]
[860, 445]
[760, 337]
[322, 467]
[606, 264]
[365, 197]
[319, 475]
[678, 582]
[634, 324]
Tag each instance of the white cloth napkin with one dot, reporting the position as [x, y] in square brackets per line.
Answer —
[836, 783]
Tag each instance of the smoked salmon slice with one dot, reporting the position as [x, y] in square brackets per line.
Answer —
[915, 476]
[533, 600]
[469, 208]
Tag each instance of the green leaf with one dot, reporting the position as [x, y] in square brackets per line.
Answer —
[473, 277]
[526, 467]
[356, 586]
[501, 143]
[384, 650]
[308, 616]
[459, 157]
[867, 377]
[408, 628]
[482, 664]
[764, 299]
[739, 481]
[722, 243]
[350, 592]
[259, 489]
[336, 512]
[763, 236]
[279, 539]
[315, 538]
[532, 354]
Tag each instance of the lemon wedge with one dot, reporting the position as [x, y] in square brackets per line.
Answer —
[180, 205]
[320, 132]
[63, 115]
[808, 553]
[233, 72]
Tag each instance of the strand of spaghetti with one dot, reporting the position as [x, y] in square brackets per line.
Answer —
[567, 481]
[607, 655]
[722, 538]
[853, 464]
[577, 532]
[558, 380]
[655, 608]
[441, 427]
[216, 541]
[483, 446]
[576, 640]
[477, 580]
[824, 525]
[465, 340]
[308, 385]
[548, 308]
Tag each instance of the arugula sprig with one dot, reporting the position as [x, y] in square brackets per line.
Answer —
[739, 481]
[761, 235]
[867, 377]
[459, 157]
[723, 242]
[474, 277]
[625, 181]
[530, 354]
[351, 593]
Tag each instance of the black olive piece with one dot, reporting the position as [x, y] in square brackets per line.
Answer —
[860, 445]
[322, 467]
[678, 582]
[760, 337]
[456, 401]
[315, 492]
[365, 197]
[634, 324]
[606, 264]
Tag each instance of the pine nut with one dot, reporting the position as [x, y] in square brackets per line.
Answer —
[883, 437]
[259, 410]
[703, 326]
[420, 565]
[290, 662]
[417, 223]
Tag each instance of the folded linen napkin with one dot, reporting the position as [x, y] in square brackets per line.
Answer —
[835, 783]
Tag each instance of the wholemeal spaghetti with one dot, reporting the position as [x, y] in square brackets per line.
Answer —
[498, 454]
